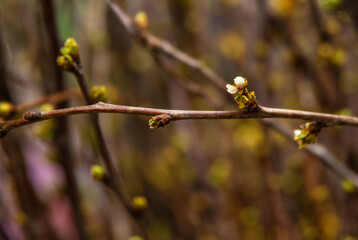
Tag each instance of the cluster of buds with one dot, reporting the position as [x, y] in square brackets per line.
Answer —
[307, 134]
[69, 55]
[246, 100]
[99, 93]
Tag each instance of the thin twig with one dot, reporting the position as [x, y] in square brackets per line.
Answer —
[263, 112]
[159, 46]
[112, 174]
[115, 182]
[61, 137]
[53, 99]
[321, 153]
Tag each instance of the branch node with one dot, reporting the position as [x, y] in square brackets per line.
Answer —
[160, 120]
[32, 116]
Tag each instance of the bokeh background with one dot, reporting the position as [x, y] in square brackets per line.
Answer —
[203, 179]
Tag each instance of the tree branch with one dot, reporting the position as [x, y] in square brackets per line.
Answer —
[263, 112]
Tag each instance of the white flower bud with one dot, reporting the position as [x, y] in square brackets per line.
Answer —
[297, 132]
[240, 82]
[231, 89]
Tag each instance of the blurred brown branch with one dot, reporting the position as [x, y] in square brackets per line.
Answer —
[321, 153]
[52, 98]
[159, 46]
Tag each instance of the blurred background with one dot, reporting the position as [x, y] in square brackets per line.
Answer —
[203, 179]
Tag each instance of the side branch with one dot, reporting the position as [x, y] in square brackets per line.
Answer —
[159, 46]
[321, 153]
[263, 112]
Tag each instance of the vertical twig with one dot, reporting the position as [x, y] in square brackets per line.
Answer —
[61, 134]
[115, 182]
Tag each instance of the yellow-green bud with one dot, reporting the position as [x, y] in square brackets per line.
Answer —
[65, 51]
[46, 130]
[139, 203]
[160, 120]
[307, 135]
[47, 107]
[72, 47]
[141, 20]
[5, 109]
[153, 123]
[99, 93]
[65, 62]
[331, 5]
[242, 101]
[135, 238]
[348, 186]
[98, 173]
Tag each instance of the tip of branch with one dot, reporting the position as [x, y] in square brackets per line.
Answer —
[160, 120]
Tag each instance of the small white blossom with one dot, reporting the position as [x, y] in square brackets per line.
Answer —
[297, 132]
[231, 89]
[240, 82]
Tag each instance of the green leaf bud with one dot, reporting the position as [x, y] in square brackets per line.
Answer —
[141, 19]
[65, 51]
[308, 134]
[72, 47]
[331, 5]
[139, 203]
[135, 238]
[348, 186]
[65, 62]
[6, 109]
[242, 101]
[152, 123]
[45, 130]
[99, 93]
[47, 107]
[98, 173]
[160, 120]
